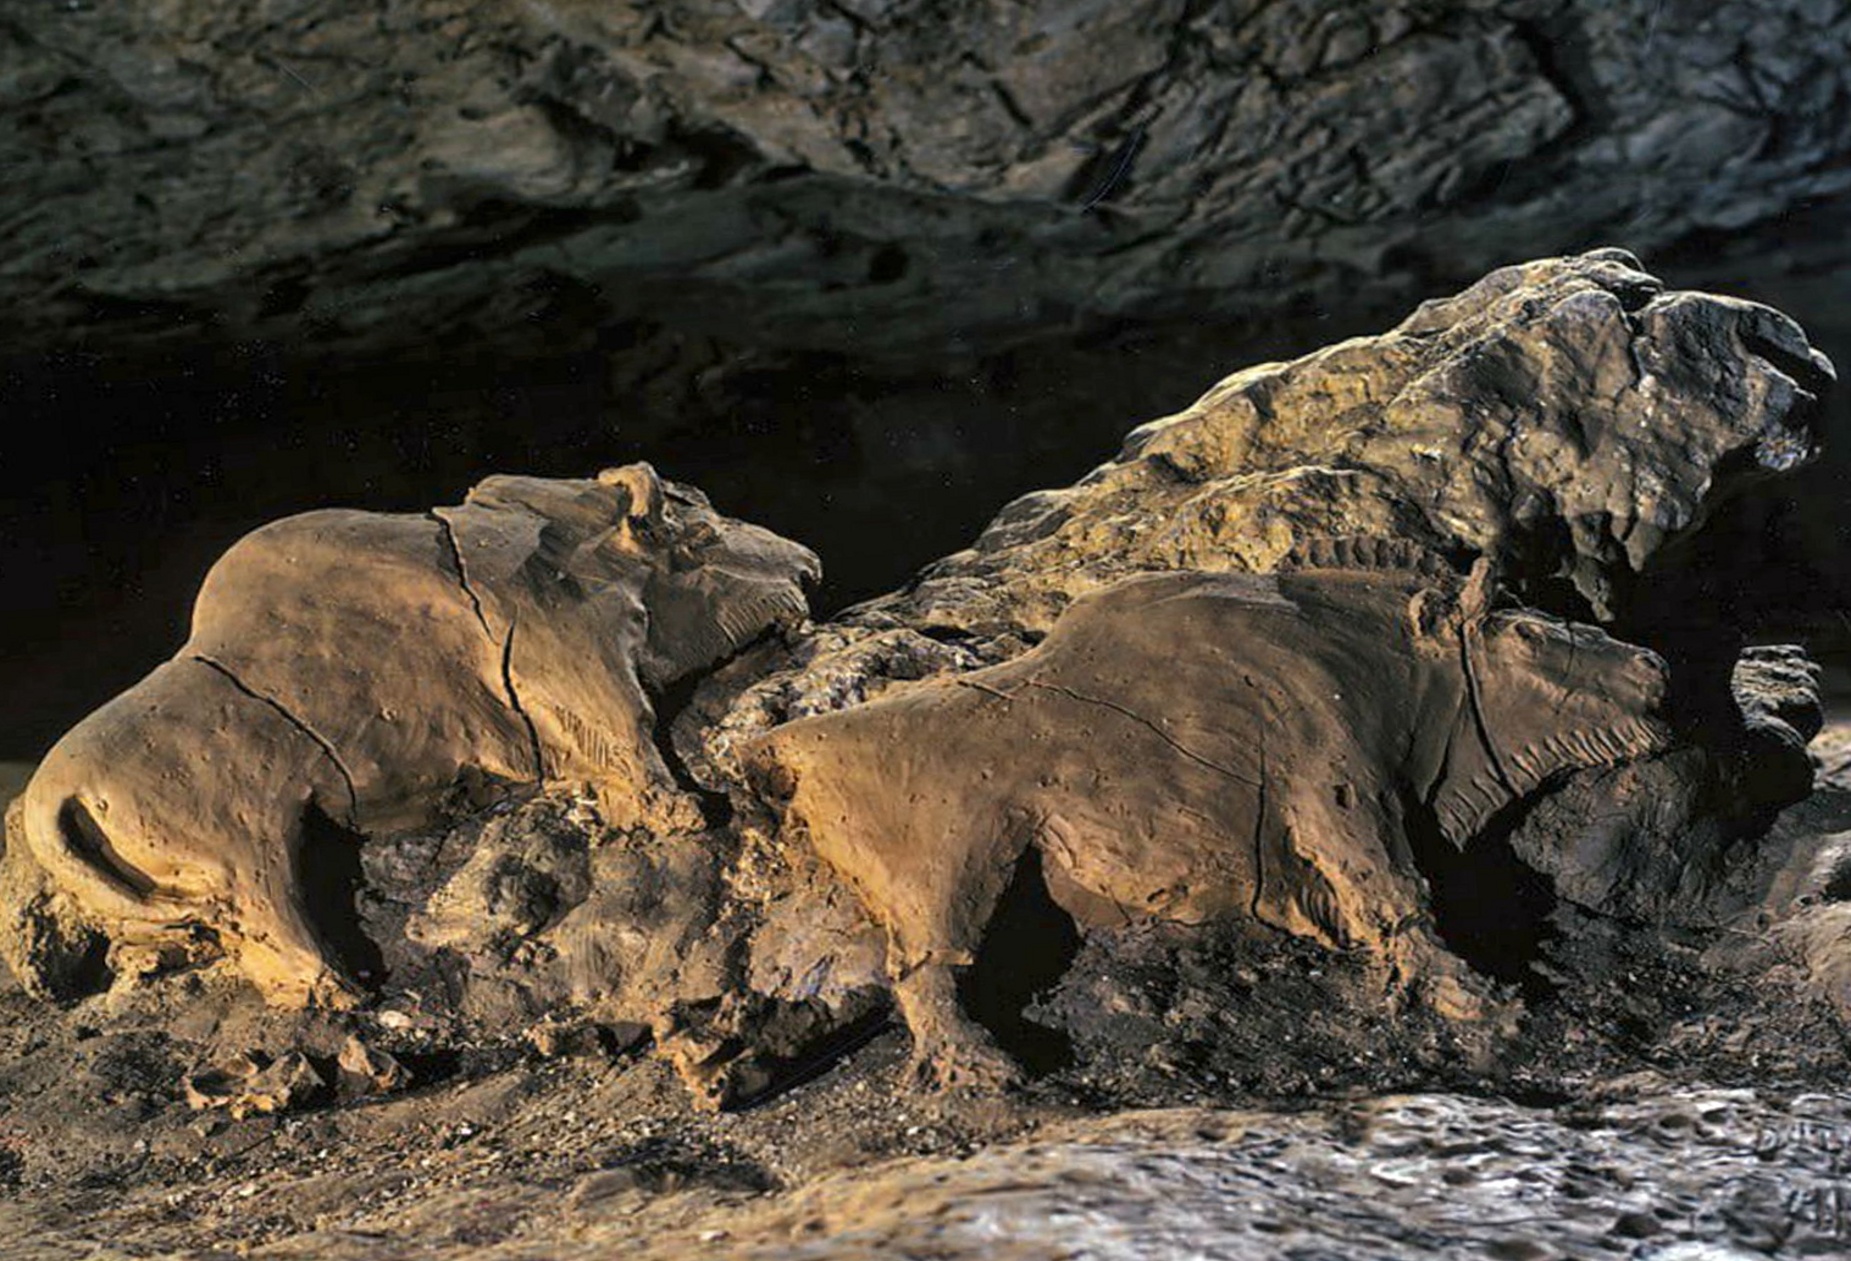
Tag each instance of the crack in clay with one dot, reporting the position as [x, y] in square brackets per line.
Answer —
[1142, 721]
[455, 549]
[320, 741]
[1574, 658]
[514, 703]
[1478, 713]
[1259, 840]
[260, 839]
[985, 688]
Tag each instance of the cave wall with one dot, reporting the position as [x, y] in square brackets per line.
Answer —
[857, 174]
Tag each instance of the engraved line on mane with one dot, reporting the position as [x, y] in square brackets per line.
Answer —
[1364, 553]
[1465, 808]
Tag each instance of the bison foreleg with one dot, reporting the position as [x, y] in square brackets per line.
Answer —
[950, 1050]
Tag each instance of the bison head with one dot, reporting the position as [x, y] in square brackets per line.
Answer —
[1541, 697]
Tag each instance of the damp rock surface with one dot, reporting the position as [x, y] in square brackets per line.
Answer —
[824, 175]
[1696, 1175]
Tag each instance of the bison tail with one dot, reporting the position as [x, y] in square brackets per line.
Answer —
[63, 832]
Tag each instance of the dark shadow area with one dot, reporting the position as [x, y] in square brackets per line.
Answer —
[1692, 606]
[330, 887]
[669, 704]
[80, 970]
[156, 465]
[785, 1073]
[433, 1067]
[1028, 947]
[1489, 907]
[145, 466]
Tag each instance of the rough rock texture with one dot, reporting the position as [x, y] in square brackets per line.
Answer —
[1564, 418]
[1659, 840]
[357, 673]
[1777, 688]
[243, 1085]
[541, 919]
[833, 174]
[1193, 747]
[281, 269]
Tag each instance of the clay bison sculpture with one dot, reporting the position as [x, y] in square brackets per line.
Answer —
[1187, 746]
[347, 668]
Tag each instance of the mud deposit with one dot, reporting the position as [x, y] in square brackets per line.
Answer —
[573, 1160]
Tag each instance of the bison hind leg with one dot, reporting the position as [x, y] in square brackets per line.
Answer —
[950, 1050]
[967, 1009]
[302, 941]
[292, 972]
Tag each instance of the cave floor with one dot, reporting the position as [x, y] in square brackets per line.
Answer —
[505, 1153]
[590, 1157]
[1643, 1121]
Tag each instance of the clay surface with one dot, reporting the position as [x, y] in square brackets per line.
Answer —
[1193, 747]
[1288, 678]
[353, 673]
[247, 214]
[1278, 835]
[1567, 418]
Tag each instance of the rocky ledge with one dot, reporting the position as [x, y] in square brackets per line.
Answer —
[856, 175]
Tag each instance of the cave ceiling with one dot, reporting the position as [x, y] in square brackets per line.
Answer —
[904, 181]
